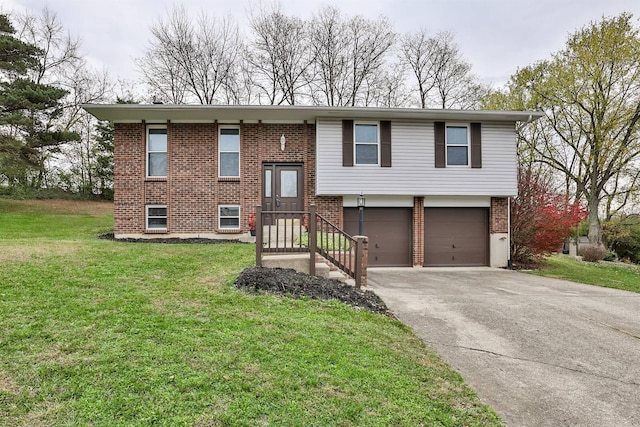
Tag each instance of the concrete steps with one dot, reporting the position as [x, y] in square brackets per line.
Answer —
[300, 262]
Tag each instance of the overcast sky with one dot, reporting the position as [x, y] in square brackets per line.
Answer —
[496, 36]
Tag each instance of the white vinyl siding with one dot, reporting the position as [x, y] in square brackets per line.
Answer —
[413, 171]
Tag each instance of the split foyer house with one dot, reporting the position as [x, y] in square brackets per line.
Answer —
[437, 182]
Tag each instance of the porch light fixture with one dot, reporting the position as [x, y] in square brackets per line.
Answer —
[361, 203]
[283, 140]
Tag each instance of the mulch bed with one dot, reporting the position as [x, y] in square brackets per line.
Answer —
[170, 240]
[290, 283]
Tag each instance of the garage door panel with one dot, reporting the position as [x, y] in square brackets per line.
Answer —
[456, 236]
[389, 233]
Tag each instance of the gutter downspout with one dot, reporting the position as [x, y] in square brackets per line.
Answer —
[529, 120]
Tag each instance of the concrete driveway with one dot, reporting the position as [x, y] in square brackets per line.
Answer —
[541, 352]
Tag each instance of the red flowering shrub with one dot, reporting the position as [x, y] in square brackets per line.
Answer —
[252, 221]
[541, 218]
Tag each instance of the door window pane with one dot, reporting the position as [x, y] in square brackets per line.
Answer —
[288, 183]
[267, 183]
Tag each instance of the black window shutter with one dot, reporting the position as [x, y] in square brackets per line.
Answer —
[476, 145]
[347, 143]
[439, 144]
[385, 144]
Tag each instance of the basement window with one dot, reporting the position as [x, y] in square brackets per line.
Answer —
[229, 217]
[156, 218]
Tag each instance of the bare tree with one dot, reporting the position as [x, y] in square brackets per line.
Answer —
[346, 53]
[279, 55]
[190, 62]
[387, 87]
[239, 84]
[59, 51]
[443, 78]
[163, 75]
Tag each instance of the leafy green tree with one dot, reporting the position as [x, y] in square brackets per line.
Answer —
[622, 234]
[104, 159]
[590, 94]
[28, 112]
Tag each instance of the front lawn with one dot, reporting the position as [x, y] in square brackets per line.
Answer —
[104, 333]
[603, 273]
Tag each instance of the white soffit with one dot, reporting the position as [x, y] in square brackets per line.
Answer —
[289, 114]
[377, 201]
[457, 202]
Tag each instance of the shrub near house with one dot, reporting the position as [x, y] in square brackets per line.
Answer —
[541, 219]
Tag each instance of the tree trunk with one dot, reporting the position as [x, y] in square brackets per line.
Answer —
[595, 231]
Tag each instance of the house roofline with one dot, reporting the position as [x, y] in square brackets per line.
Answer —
[160, 113]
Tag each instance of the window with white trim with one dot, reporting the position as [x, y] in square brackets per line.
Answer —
[229, 152]
[156, 151]
[457, 143]
[156, 217]
[366, 138]
[229, 217]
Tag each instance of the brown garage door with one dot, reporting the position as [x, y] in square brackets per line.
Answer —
[389, 233]
[456, 236]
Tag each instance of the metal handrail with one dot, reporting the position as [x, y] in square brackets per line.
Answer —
[322, 237]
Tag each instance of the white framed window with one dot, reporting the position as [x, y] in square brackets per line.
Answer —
[457, 144]
[366, 142]
[229, 152]
[229, 217]
[156, 151]
[156, 217]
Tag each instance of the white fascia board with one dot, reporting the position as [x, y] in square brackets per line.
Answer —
[293, 114]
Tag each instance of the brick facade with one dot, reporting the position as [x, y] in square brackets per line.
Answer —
[499, 221]
[192, 190]
[418, 230]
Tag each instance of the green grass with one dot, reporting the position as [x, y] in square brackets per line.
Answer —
[607, 274]
[105, 333]
[326, 241]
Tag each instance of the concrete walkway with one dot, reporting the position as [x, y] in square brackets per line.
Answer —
[541, 352]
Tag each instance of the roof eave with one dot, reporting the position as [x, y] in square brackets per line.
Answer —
[288, 114]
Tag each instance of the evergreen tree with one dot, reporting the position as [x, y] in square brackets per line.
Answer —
[28, 112]
[104, 158]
